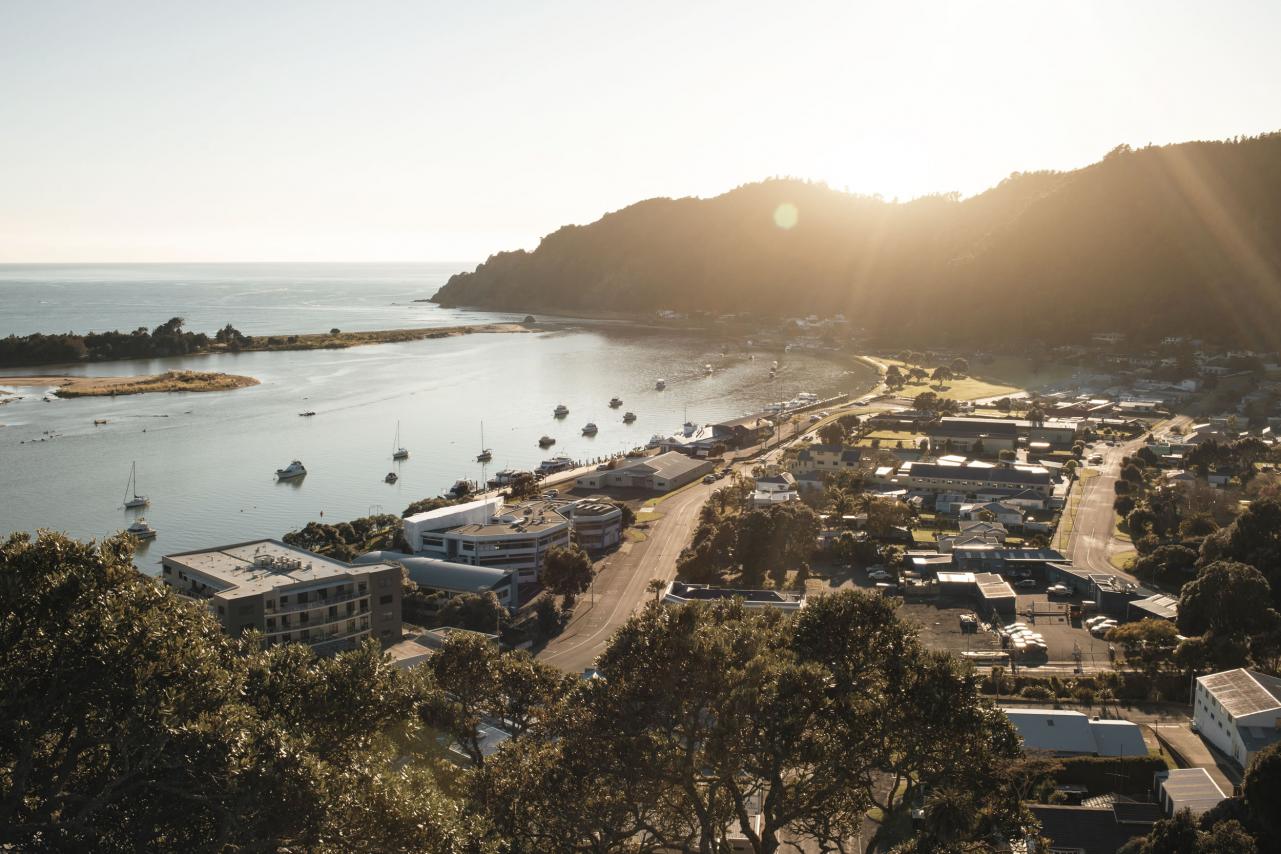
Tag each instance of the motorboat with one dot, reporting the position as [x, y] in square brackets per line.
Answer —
[132, 499]
[707, 369]
[629, 417]
[391, 477]
[397, 451]
[485, 454]
[660, 385]
[294, 469]
[557, 463]
[98, 422]
[546, 442]
[590, 429]
[307, 414]
[561, 410]
[462, 488]
[615, 402]
[503, 478]
[141, 529]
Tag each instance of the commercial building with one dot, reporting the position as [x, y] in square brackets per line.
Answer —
[598, 525]
[1067, 733]
[1188, 788]
[290, 595]
[743, 432]
[970, 477]
[964, 434]
[994, 594]
[661, 473]
[1238, 711]
[452, 579]
[485, 533]
[680, 593]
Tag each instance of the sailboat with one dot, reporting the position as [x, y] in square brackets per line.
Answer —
[485, 454]
[132, 499]
[398, 452]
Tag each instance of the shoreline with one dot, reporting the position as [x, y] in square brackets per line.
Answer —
[312, 341]
[68, 386]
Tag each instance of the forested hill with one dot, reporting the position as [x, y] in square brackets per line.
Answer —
[1157, 241]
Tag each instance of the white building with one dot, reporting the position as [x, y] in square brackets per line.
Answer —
[1188, 788]
[774, 489]
[1238, 711]
[1067, 733]
[485, 533]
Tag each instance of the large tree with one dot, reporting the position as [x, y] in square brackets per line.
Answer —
[567, 570]
[1253, 538]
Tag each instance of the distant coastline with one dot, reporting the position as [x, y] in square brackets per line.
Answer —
[203, 345]
[170, 381]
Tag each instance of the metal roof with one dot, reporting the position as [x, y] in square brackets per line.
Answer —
[443, 574]
[1243, 692]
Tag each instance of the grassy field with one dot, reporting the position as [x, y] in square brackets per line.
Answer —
[962, 388]
[1123, 560]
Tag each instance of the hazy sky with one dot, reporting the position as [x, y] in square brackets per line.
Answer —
[310, 130]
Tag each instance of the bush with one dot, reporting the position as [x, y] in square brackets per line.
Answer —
[1102, 774]
[1036, 692]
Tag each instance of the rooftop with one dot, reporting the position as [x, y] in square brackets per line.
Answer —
[1243, 692]
[994, 427]
[669, 465]
[527, 517]
[1193, 788]
[991, 474]
[261, 565]
[443, 574]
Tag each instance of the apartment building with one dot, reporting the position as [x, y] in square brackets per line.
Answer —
[289, 594]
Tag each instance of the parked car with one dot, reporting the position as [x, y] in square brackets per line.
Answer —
[1091, 622]
[880, 575]
[551, 493]
[1058, 590]
[709, 479]
[1025, 582]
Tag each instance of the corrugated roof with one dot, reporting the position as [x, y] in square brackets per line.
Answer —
[1243, 692]
[443, 574]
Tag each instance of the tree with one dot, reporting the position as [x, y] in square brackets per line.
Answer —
[941, 375]
[917, 374]
[960, 366]
[1262, 789]
[893, 377]
[977, 448]
[832, 433]
[926, 401]
[774, 540]
[567, 570]
[129, 720]
[1149, 644]
[475, 612]
[1253, 538]
[1229, 605]
[1006, 456]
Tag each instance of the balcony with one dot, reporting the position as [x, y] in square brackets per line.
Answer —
[314, 602]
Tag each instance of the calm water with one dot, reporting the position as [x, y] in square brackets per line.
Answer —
[207, 461]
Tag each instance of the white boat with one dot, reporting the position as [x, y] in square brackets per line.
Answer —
[707, 369]
[485, 454]
[555, 464]
[660, 385]
[391, 477]
[629, 417]
[142, 530]
[462, 488]
[397, 452]
[503, 477]
[590, 429]
[615, 402]
[561, 410]
[132, 499]
[294, 469]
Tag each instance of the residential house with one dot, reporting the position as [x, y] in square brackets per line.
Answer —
[828, 458]
[774, 489]
[1007, 514]
[1068, 733]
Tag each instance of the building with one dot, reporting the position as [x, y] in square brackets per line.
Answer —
[1188, 788]
[289, 594]
[598, 525]
[774, 489]
[971, 477]
[1158, 606]
[1009, 515]
[680, 593]
[825, 458]
[963, 434]
[661, 473]
[1094, 830]
[1067, 733]
[453, 579]
[994, 594]
[416, 649]
[743, 432]
[486, 533]
[1238, 711]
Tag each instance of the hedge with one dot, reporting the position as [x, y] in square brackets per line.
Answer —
[1099, 774]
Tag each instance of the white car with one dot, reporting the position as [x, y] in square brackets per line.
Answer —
[1058, 590]
[879, 575]
[1012, 626]
[1101, 629]
[1092, 621]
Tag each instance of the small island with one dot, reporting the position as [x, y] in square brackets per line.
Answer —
[69, 386]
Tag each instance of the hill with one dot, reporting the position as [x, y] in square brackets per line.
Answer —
[1163, 240]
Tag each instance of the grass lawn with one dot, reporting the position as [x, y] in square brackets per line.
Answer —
[1123, 560]
[924, 535]
[1021, 373]
[1068, 518]
[1118, 531]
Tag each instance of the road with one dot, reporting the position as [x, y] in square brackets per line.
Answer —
[620, 584]
[1091, 541]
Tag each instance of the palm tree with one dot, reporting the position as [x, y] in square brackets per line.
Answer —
[656, 586]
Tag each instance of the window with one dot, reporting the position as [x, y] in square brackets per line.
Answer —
[284, 599]
[385, 599]
[168, 570]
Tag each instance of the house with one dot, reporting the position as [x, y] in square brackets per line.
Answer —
[1238, 711]
[970, 477]
[661, 473]
[825, 458]
[1188, 788]
[1007, 514]
[680, 593]
[1094, 830]
[1068, 733]
[774, 489]
[290, 594]
[452, 579]
[743, 432]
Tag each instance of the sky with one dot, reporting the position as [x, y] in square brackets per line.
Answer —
[382, 130]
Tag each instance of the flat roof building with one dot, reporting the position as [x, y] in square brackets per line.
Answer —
[1188, 788]
[289, 594]
[452, 579]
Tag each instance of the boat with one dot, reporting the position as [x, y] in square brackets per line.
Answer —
[629, 417]
[307, 414]
[503, 478]
[141, 529]
[485, 454]
[132, 499]
[294, 469]
[561, 410]
[391, 477]
[590, 429]
[560, 462]
[462, 488]
[707, 369]
[546, 442]
[99, 421]
[397, 452]
[660, 385]
[615, 402]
